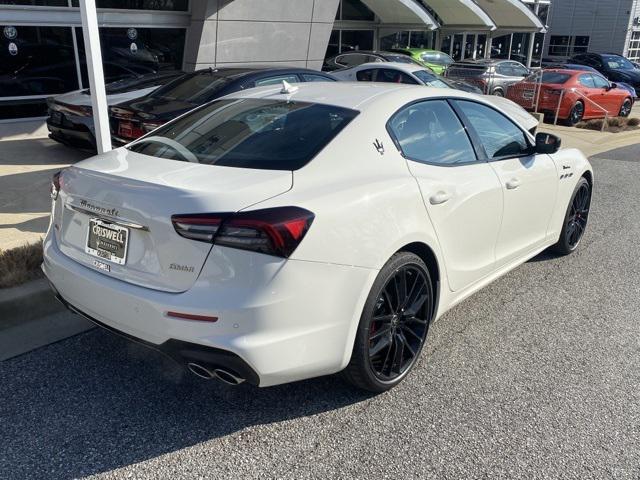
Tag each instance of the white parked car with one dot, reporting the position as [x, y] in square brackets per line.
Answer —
[276, 235]
[408, 74]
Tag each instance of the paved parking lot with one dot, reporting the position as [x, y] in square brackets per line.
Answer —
[537, 376]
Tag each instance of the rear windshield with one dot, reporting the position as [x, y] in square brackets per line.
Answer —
[550, 77]
[467, 70]
[400, 58]
[437, 58]
[196, 88]
[133, 84]
[248, 133]
[618, 62]
[429, 79]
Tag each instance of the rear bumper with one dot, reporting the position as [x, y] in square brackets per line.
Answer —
[71, 136]
[182, 352]
[286, 321]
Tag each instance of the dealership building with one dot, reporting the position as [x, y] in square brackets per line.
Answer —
[42, 51]
[601, 26]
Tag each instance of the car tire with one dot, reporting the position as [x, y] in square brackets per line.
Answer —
[576, 115]
[389, 326]
[498, 92]
[575, 219]
[625, 109]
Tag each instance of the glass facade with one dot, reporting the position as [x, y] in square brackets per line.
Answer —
[38, 61]
[171, 5]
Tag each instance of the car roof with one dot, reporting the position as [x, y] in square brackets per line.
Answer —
[568, 71]
[352, 95]
[234, 72]
[485, 61]
[404, 67]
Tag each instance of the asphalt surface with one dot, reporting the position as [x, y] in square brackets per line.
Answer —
[537, 376]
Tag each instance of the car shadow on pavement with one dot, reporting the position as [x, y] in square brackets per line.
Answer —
[96, 402]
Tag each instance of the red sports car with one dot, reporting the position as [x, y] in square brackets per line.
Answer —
[586, 95]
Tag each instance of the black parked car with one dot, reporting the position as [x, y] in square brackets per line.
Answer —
[615, 67]
[354, 58]
[133, 119]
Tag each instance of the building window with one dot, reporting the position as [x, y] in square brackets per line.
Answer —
[34, 62]
[634, 47]
[520, 47]
[356, 40]
[150, 50]
[170, 5]
[567, 46]
[354, 10]
[580, 44]
[538, 42]
[46, 3]
[559, 45]
[348, 41]
[37, 61]
[395, 40]
[407, 39]
[500, 46]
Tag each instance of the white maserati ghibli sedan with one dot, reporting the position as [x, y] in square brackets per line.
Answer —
[283, 233]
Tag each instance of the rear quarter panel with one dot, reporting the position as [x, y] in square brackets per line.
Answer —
[366, 204]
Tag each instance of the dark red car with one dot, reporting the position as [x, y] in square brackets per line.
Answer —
[580, 95]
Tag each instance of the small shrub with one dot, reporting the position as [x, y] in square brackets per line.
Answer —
[633, 122]
[19, 265]
[616, 122]
[595, 124]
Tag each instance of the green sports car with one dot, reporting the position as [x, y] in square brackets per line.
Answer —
[435, 60]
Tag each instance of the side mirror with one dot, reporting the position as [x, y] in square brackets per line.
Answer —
[612, 86]
[547, 143]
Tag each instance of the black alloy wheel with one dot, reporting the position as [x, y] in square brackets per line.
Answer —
[577, 113]
[394, 324]
[576, 218]
[625, 109]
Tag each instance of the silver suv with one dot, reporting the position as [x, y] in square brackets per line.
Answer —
[493, 76]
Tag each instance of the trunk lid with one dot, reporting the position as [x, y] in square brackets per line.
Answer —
[141, 193]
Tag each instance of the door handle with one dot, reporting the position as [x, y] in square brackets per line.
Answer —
[513, 184]
[439, 198]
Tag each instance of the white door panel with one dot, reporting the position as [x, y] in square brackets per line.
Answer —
[465, 206]
[530, 187]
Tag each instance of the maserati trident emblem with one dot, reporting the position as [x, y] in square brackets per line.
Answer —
[379, 146]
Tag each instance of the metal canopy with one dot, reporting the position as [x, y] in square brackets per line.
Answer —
[401, 12]
[461, 14]
[511, 15]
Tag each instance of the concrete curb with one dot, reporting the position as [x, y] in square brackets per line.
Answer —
[31, 317]
[27, 302]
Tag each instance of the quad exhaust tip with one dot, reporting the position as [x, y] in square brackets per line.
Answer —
[225, 376]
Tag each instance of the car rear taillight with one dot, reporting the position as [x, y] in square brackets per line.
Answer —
[56, 184]
[272, 231]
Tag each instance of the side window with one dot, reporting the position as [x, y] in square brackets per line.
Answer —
[352, 59]
[430, 132]
[519, 70]
[276, 80]
[504, 69]
[600, 82]
[595, 61]
[586, 80]
[389, 75]
[366, 75]
[311, 77]
[499, 136]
